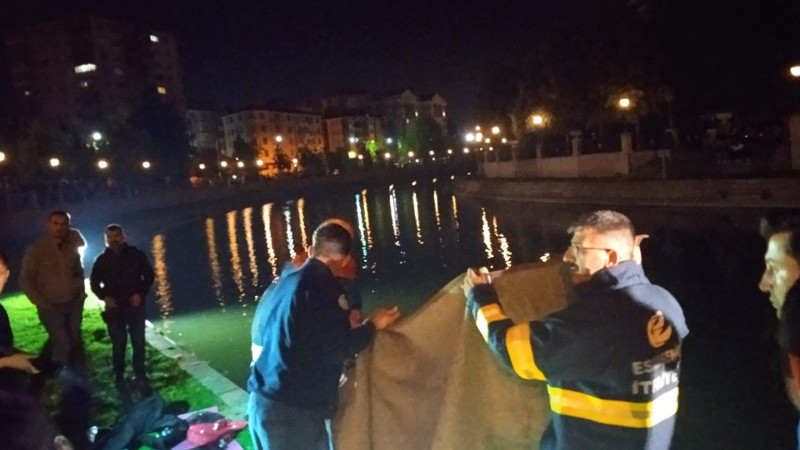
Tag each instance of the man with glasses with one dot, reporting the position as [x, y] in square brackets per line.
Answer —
[611, 358]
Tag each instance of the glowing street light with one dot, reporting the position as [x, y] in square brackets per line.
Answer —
[278, 138]
[202, 166]
[224, 164]
[538, 120]
[145, 165]
[495, 130]
[410, 154]
[478, 137]
[97, 136]
[430, 152]
[294, 161]
[477, 128]
[487, 140]
[795, 71]
[2, 157]
[470, 137]
[387, 155]
[504, 140]
[625, 102]
[466, 150]
[360, 156]
[388, 140]
[259, 163]
[55, 162]
[102, 164]
[351, 154]
[240, 164]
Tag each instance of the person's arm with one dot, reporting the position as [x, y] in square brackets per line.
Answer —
[27, 277]
[148, 276]
[511, 342]
[96, 278]
[19, 361]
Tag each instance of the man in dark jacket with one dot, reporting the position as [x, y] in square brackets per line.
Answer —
[610, 359]
[121, 277]
[303, 338]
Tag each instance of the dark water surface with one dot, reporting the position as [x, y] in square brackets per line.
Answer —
[413, 239]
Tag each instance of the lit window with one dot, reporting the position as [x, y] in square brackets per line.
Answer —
[162, 90]
[83, 68]
[153, 38]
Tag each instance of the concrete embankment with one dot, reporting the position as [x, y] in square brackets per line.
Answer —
[725, 193]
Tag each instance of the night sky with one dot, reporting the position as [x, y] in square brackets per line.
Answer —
[235, 53]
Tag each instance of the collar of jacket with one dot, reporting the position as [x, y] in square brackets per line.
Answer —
[624, 274]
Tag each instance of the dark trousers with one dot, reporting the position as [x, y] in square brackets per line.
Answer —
[63, 325]
[277, 426]
[122, 322]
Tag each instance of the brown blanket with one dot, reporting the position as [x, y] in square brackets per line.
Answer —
[430, 382]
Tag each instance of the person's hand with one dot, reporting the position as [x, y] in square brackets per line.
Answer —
[136, 300]
[110, 302]
[355, 317]
[385, 317]
[19, 361]
[637, 249]
[475, 277]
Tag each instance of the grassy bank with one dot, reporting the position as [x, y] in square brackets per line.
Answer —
[166, 377]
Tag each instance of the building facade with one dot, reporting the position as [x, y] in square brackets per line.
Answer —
[205, 131]
[77, 70]
[399, 110]
[351, 132]
[267, 135]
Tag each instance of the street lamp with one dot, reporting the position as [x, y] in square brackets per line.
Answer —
[410, 154]
[504, 140]
[478, 137]
[495, 130]
[240, 164]
[259, 163]
[538, 120]
[430, 152]
[387, 155]
[97, 135]
[487, 140]
[2, 157]
[388, 140]
[360, 157]
[466, 150]
[224, 164]
[477, 128]
[625, 103]
[449, 151]
[278, 138]
[202, 166]
[54, 162]
[102, 164]
[351, 154]
[146, 165]
[795, 71]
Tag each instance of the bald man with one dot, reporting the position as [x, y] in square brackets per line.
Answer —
[610, 359]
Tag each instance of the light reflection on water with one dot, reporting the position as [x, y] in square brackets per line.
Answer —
[408, 246]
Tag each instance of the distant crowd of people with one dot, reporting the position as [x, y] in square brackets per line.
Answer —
[611, 358]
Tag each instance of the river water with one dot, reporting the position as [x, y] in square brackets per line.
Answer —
[415, 237]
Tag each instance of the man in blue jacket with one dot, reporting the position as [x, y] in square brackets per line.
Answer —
[611, 358]
[304, 336]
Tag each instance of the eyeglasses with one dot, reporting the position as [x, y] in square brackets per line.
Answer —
[577, 248]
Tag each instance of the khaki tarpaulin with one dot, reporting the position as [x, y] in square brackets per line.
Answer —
[431, 381]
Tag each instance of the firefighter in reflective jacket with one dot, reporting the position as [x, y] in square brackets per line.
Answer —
[611, 358]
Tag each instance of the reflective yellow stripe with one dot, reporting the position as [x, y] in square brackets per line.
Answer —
[486, 315]
[614, 412]
[518, 344]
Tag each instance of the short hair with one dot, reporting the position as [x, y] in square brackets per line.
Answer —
[58, 213]
[604, 221]
[3, 259]
[114, 227]
[332, 238]
[775, 222]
